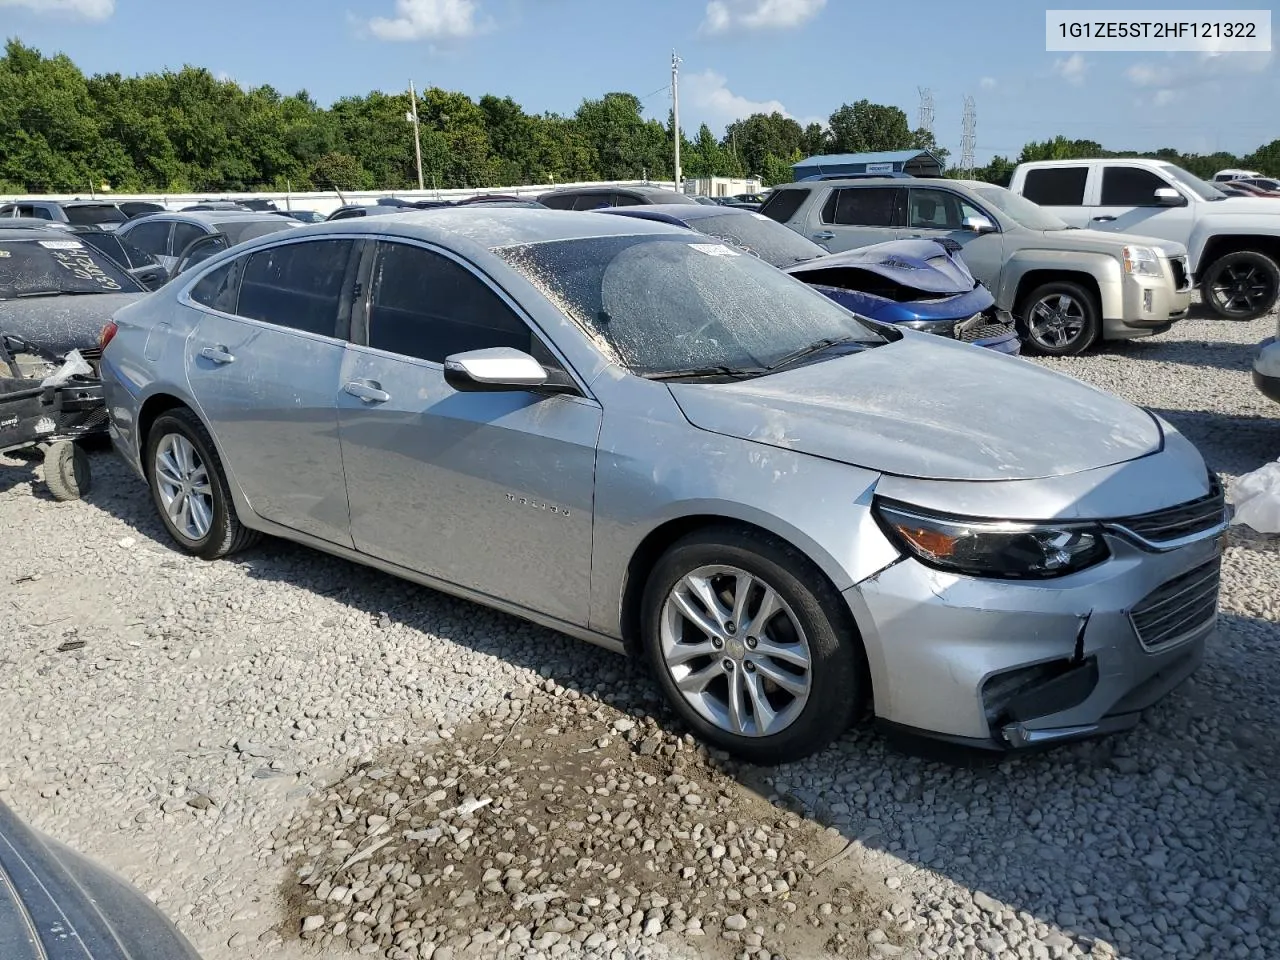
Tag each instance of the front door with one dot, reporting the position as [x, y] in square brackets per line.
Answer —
[264, 364]
[939, 214]
[1127, 204]
[489, 491]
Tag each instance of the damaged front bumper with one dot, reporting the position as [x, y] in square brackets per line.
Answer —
[1001, 664]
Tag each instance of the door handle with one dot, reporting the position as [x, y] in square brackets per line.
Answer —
[824, 235]
[366, 390]
[1104, 219]
[218, 354]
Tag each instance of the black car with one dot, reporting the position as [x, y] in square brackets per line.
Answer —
[58, 292]
[85, 213]
[57, 905]
[139, 264]
[593, 198]
[140, 208]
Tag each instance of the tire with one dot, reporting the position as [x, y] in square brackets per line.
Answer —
[222, 532]
[1241, 286]
[835, 681]
[1069, 319]
[67, 473]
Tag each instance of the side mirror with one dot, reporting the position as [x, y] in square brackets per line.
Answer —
[1169, 197]
[501, 369]
[978, 225]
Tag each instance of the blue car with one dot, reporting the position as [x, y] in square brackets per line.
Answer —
[921, 284]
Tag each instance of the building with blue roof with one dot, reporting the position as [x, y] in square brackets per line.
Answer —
[917, 163]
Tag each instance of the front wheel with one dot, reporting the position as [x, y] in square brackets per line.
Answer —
[751, 646]
[1241, 286]
[1060, 319]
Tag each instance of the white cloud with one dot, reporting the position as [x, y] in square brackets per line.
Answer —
[726, 15]
[1182, 70]
[429, 20]
[987, 83]
[711, 100]
[1072, 69]
[79, 9]
[1165, 97]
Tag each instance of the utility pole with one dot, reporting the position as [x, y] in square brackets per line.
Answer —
[675, 112]
[926, 109]
[417, 139]
[969, 139]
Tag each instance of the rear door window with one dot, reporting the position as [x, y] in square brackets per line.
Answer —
[1130, 187]
[865, 207]
[783, 204]
[297, 285]
[152, 237]
[1056, 186]
[185, 234]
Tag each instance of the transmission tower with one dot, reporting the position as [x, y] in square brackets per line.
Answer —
[970, 139]
[926, 110]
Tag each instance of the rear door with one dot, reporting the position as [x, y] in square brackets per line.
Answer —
[1062, 190]
[264, 364]
[852, 217]
[489, 491]
[1126, 203]
[937, 214]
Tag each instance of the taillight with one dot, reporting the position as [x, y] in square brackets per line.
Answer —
[107, 333]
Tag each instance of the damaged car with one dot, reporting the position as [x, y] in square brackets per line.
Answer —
[919, 284]
[599, 424]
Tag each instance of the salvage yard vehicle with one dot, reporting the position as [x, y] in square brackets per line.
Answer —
[56, 292]
[594, 198]
[920, 284]
[1233, 242]
[97, 213]
[599, 424]
[1067, 288]
[59, 905]
[1266, 368]
[166, 236]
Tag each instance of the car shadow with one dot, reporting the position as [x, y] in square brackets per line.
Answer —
[1217, 354]
[1232, 444]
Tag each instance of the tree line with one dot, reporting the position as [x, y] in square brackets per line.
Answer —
[187, 131]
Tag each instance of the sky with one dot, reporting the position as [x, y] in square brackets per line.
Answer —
[801, 57]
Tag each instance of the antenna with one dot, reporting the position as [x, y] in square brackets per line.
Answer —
[926, 110]
[970, 138]
[675, 112]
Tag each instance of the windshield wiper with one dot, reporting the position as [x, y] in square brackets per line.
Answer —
[817, 346]
[718, 371]
[51, 293]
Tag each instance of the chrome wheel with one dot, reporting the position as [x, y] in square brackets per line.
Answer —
[736, 651]
[1056, 320]
[182, 480]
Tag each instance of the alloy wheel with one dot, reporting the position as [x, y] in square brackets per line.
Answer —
[735, 651]
[1056, 320]
[1241, 288]
[185, 491]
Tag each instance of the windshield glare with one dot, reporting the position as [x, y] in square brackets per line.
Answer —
[759, 236]
[1205, 191]
[659, 304]
[68, 266]
[92, 216]
[1019, 208]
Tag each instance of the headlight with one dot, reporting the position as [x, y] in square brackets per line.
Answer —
[1142, 262]
[993, 548]
[943, 328]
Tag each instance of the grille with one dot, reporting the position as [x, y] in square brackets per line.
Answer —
[1183, 606]
[1181, 276]
[986, 331]
[1184, 520]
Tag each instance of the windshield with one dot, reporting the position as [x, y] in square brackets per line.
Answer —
[239, 231]
[91, 216]
[759, 236]
[1019, 208]
[29, 267]
[662, 304]
[1205, 191]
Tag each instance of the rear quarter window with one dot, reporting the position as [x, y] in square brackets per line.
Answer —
[783, 204]
[1056, 186]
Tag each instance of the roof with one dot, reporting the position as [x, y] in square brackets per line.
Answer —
[1076, 161]
[491, 227]
[32, 233]
[207, 217]
[884, 156]
[679, 211]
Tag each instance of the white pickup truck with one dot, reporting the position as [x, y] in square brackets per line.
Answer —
[1233, 243]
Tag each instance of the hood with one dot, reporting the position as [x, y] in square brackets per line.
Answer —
[929, 408]
[922, 265]
[1245, 206]
[1110, 242]
[60, 324]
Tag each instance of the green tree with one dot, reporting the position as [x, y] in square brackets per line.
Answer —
[337, 171]
[627, 146]
[865, 126]
[760, 136]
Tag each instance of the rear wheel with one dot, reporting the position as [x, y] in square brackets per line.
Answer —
[751, 645]
[1060, 319]
[190, 489]
[1241, 286]
[67, 473]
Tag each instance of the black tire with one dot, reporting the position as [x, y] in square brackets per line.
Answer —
[1241, 286]
[1075, 342]
[67, 473]
[839, 689]
[226, 534]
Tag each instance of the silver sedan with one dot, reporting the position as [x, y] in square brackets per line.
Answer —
[643, 438]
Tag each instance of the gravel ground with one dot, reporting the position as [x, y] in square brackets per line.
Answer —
[250, 742]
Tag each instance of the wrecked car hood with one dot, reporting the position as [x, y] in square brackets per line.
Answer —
[923, 265]
[929, 408]
[61, 324]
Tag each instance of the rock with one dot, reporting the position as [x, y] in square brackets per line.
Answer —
[735, 922]
[314, 922]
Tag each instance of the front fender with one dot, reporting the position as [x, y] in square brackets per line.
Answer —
[1105, 270]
